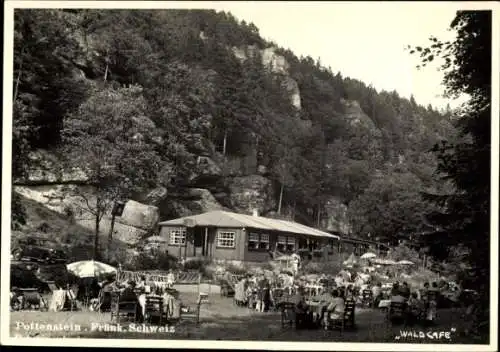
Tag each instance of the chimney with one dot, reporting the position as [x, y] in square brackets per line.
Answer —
[255, 212]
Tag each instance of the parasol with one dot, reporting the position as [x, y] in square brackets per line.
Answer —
[156, 239]
[351, 260]
[405, 262]
[90, 268]
[368, 255]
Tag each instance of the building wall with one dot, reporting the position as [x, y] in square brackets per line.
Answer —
[241, 251]
[236, 253]
[213, 251]
[262, 255]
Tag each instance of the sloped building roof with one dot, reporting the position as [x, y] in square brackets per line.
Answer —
[220, 218]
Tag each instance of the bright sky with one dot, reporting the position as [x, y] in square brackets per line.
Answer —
[365, 41]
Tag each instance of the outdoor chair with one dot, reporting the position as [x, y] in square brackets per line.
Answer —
[33, 299]
[287, 314]
[187, 314]
[397, 312]
[203, 297]
[123, 309]
[337, 324]
[349, 318]
[154, 310]
[367, 298]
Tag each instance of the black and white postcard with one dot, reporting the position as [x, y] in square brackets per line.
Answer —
[250, 175]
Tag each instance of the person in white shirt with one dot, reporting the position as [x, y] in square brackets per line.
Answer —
[295, 263]
[170, 279]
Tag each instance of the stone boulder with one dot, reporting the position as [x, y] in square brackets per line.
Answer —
[127, 234]
[139, 215]
[136, 221]
[251, 192]
[155, 196]
[336, 219]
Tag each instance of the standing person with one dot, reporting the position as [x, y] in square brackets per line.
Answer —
[266, 299]
[432, 298]
[170, 278]
[295, 263]
[301, 309]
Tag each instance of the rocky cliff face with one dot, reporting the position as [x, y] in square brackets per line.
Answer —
[277, 64]
[354, 114]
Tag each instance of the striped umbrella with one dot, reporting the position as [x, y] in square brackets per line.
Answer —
[90, 268]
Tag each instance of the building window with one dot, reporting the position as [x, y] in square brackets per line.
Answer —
[226, 239]
[264, 241]
[285, 244]
[253, 241]
[281, 243]
[178, 237]
[258, 241]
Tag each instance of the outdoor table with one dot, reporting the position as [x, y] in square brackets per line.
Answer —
[316, 308]
[384, 303]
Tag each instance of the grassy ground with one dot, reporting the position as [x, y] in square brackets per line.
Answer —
[222, 320]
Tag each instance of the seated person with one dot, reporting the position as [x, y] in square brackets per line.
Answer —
[405, 290]
[377, 293]
[16, 299]
[324, 301]
[415, 306]
[128, 294]
[396, 295]
[141, 285]
[335, 310]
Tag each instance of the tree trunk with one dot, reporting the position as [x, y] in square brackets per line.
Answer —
[18, 79]
[224, 143]
[110, 235]
[106, 72]
[96, 236]
[319, 214]
[294, 209]
[281, 198]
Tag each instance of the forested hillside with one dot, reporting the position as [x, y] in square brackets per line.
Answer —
[179, 100]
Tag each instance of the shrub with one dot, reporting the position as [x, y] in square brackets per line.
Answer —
[18, 212]
[331, 267]
[155, 261]
[236, 269]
